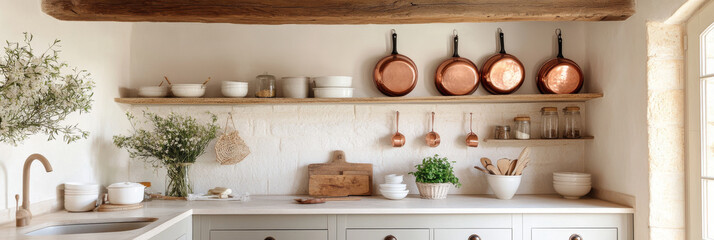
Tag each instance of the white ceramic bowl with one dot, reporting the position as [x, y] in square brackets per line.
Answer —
[571, 179]
[333, 81]
[572, 174]
[395, 195]
[295, 87]
[333, 92]
[234, 92]
[154, 91]
[572, 183]
[503, 186]
[393, 179]
[80, 203]
[125, 193]
[81, 192]
[234, 83]
[571, 191]
[81, 186]
[392, 187]
[188, 91]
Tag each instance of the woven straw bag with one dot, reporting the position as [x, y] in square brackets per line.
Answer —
[230, 147]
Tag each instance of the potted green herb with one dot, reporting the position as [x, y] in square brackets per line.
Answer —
[174, 143]
[434, 177]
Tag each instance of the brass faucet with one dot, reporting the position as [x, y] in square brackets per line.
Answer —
[23, 215]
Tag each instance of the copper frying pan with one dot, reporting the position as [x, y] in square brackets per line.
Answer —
[502, 73]
[457, 75]
[395, 75]
[560, 75]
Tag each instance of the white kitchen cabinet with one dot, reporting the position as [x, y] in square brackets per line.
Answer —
[387, 234]
[178, 231]
[473, 234]
[269, 235]
[573, 233]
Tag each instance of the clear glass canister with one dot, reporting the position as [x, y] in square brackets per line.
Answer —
[266, 86]
[571, 116]
[523, 127]
[503, 132]
[549, 125]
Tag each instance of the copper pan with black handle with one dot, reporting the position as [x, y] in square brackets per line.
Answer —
[503, 73]
[560, 75]
[456, 75]
[395, 75]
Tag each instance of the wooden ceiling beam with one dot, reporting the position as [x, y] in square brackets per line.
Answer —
[338, 11]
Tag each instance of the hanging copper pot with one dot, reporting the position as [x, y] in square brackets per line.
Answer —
[503, 73]
[560, 75]
[396, 74]
[457, 75]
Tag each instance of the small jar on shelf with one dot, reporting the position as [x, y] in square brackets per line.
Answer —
[571, 117]
[523, 127]
[549, 123]
[503, 132]
[266, 86]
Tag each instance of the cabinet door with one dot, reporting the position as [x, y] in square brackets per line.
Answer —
[567, 233]
[381, 234]
[269, 235]
[465, 234]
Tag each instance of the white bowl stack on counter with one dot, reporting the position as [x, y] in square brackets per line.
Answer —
[234, 89]
[333, 87]
[393, 188]
[80, 197]
[188, 90]
[572, 185]
[154, 91]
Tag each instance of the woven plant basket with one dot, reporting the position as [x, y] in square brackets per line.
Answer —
[433, 190]
[230, 147]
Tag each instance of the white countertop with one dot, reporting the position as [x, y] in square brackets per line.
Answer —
[171, 212]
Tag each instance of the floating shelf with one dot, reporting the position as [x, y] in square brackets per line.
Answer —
[538, 141]
[514, 98]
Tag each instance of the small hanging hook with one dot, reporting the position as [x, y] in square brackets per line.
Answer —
[456, 33]
[500, 30]
[558, 32]
[394, 31]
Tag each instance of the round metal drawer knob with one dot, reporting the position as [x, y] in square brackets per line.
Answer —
[270, 238]
[575, 237]
[474, 237]
[390, 237]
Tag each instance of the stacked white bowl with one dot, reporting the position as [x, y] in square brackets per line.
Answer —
[333, 87]
[572, 185]
[188, 90]
[80, 197]
[234, 89]
[153, 91]
[393, 188]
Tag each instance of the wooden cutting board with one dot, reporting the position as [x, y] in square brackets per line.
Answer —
[340, 178]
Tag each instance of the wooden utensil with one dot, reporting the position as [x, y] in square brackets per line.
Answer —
[481, 169]
[503, 165]
[457, 75]
[432, 138]
[395, 75]
[325, 199]
[512, 167]
[472, 138]
[494, 170]
[167, 80]
[339, 177]
[207, 80]
[485, 162]
[310, 200]
[523, 160]
[398, 139]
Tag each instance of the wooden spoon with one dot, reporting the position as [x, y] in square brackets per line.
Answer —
[494, 170]
[432, 138]
[512, 167]
[485, 162]
[482, 170]
[503, 165]
[167, 80]
[204, 83]
[523, 159]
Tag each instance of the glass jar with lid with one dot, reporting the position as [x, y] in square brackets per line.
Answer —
[571, 117]
[266, 86]
[523, 127]
[549, 122]
[503, 132]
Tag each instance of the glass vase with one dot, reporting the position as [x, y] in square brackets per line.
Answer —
[178, 182]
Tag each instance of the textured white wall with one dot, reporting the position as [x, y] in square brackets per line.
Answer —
[102, 49]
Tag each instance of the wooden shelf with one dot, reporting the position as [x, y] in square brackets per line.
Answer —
[515, 98]
[338, 12]
[538, 141]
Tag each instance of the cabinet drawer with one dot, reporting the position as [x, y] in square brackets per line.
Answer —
[565, 233]
[264, 234]
[464, 234]
[380, 234]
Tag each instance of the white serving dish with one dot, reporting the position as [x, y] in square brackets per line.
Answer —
[572, 174]
[572, 183]
[234, 92]
[504, 186]
[333, 82]
[125, 193]
[395, 195]
[154, 91]
[571, 179]
[234, 83]
[295, 87]
[393, 179]
[392, 187]
[571, 191]
[188, 90]
[80, 192]
[333, 92]
[80, 203]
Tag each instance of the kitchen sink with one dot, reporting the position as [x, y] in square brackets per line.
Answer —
[93, 227]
